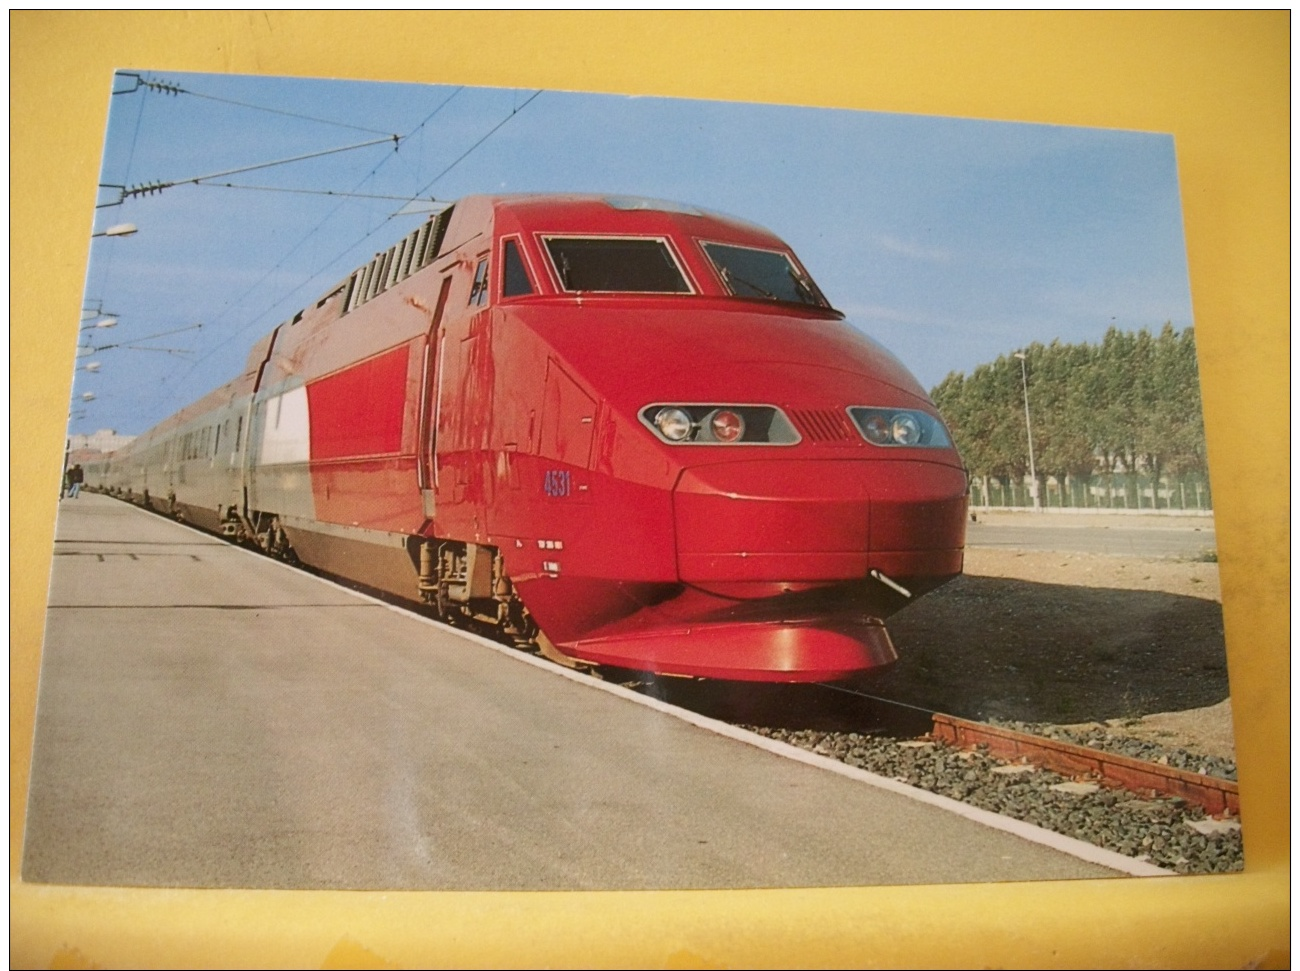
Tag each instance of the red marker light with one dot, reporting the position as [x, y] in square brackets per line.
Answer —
[727, 426]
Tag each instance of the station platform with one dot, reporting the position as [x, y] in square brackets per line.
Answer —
[208, 717]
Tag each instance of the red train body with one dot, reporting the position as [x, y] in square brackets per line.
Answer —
[635, 426]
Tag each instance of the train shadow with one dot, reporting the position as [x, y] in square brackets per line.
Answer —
[794, 707]
[996, 648]
[987, 648]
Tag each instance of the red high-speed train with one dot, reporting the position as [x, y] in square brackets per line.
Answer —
[630, 431]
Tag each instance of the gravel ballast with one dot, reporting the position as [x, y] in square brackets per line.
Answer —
[1167, 832]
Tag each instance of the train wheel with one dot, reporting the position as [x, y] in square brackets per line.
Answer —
[518, 622]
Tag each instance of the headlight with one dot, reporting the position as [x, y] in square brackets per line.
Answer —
[900, 427]
[719, 424]
[906, 429]
[674, 424]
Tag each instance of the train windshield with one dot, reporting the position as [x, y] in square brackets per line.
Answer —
[616, 265]
[763, 274]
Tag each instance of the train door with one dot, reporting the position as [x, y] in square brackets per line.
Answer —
[479, 373]
[430, 400]
[568, 424]
[463, 377]
[258, 359]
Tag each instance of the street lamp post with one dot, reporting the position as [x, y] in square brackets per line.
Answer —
[1029, 431]
[121, 229]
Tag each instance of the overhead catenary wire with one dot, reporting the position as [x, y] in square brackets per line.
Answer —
[165, 87]
[338, 193]
[107, 273]
[254, 319]
[150, 188]
[419, 196]
[138, 340]
[495, 128]
[177, 381]
[320, 224]
[278, 111]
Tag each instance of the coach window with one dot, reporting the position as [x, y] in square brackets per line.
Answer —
[516, 282]
[478, 292]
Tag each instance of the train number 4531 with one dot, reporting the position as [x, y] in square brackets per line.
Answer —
[557, 483]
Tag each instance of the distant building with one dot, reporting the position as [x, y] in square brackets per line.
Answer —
[104, 440]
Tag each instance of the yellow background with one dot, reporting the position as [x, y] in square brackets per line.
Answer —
[1218, 81]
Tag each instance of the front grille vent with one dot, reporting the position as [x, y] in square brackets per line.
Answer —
[825, 426]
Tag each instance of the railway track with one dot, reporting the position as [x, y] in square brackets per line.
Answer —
[1215, 795]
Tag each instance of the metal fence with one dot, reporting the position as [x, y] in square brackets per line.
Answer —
[1119, 491]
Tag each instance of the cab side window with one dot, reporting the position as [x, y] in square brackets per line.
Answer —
[478, 292]
[516, 282]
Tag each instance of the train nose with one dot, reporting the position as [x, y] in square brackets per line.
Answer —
[753, 528]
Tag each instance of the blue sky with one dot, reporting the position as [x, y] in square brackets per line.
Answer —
[949, 241]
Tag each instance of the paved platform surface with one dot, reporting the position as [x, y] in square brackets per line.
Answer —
[209, 718]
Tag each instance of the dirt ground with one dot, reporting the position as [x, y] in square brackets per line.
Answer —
[1071, 638]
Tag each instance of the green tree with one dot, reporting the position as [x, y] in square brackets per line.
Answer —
[1131, 403]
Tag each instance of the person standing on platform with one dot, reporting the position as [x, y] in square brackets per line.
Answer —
[75, 478]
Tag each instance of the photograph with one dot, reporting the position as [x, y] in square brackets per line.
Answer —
[509, 486]
[690, 398]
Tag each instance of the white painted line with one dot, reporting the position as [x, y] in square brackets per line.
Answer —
[1026, 831]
